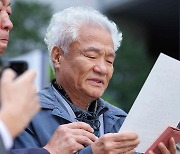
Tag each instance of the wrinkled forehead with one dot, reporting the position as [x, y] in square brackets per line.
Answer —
[4, 2]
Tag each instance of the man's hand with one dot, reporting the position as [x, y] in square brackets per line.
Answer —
[116, 143]
[70, 138]
[166, 150]
[19, 101]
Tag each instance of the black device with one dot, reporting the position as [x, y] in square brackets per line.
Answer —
[18, 66]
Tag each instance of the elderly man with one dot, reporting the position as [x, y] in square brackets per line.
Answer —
[74, 118]
[19, 101]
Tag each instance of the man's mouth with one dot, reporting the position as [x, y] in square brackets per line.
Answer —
[4, 40]
[96, 82]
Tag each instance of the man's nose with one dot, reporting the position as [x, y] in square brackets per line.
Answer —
[101, 67]
[6, 23]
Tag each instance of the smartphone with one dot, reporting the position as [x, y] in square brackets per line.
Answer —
[18, 66]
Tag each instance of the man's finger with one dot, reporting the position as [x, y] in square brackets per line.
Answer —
[172, 146]
[8, 75]
[81, 125]
[124, 136]
[151, 152]
[29, 75]
[162, 148]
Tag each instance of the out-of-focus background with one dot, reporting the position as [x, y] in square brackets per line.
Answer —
[148, 26]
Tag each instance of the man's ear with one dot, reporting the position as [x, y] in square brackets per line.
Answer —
[57, 54]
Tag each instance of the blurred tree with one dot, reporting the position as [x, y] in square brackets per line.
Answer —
[30, 21]
[131, 68]
[132, 65]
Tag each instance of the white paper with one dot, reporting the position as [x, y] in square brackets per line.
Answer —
[158, 103]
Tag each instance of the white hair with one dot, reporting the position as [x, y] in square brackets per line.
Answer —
[64, 27]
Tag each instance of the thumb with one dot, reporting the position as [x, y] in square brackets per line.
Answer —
[28, 76]
[7, 76]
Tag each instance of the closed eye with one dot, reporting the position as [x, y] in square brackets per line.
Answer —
[89, 56]
[110, 62]
[9, 13]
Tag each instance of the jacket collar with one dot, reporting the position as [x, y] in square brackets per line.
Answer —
[112, 116]
[51, 102]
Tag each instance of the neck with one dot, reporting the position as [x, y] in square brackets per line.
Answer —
[83, 104]
[79, 99]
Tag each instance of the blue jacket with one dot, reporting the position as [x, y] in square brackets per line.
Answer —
[53, 114]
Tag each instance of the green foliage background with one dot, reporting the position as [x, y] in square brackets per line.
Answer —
[132, 63]
[131, 68]
[30, 20]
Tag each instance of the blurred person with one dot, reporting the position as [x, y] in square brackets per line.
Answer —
[18, 98]
[19, 103]
[5, 24]
[74, 118]
[178, 144]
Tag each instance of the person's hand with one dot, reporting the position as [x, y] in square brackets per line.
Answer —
[166, 150]
[19, 101]
[70, 138]
[116, 143]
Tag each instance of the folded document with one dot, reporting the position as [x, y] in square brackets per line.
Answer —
[158, 104]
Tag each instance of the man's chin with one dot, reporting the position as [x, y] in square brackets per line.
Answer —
[96, 94]
[2, 48]
[2, 51]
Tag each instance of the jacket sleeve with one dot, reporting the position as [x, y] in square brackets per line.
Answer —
[27, 139]
[29, 151]
[86, 150]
